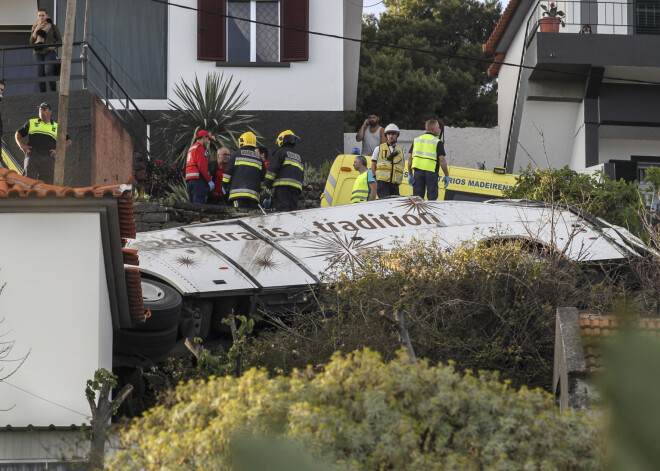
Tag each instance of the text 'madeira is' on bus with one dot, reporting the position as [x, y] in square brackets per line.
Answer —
[287, 250]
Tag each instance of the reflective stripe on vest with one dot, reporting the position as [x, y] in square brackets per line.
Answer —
[191, 173]
[243, 193]
[360, 188]
[389, 170]
[39, 127]
[287, 182]
[425, 156]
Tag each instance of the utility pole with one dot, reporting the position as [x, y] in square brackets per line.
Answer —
[65, 77]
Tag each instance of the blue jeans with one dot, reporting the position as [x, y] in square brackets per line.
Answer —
[425, 182]
[45, 70]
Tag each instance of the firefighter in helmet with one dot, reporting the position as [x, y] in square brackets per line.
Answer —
[285, 173]
[244, 174]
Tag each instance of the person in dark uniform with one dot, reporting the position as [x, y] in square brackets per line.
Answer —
[285, 173]
[40, 151]
[244, 174]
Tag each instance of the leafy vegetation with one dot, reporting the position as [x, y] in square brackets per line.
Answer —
[364, 414]
[618, 202]
[177, 194]
[408, 87]
[216, 108]
[484, 307]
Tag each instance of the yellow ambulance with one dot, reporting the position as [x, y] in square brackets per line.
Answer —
[465, 184]
[9, 161]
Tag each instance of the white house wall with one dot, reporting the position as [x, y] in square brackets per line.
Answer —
[578, 154]
[18, 13]
[352, 29]
[622, 149]
[52, 307]
[507, 81]
[548, 124]
[313, 85]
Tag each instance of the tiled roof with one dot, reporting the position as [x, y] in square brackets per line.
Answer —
[494, 69]
[13, 185]
[496, 35]
[596, 327]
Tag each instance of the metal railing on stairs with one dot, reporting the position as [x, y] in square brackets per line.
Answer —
[91, 73]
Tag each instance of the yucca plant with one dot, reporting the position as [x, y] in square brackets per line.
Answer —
[215, 107]
[177, 194]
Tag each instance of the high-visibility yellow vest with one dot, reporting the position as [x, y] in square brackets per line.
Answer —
[37, 126]
[360, 188]
[389, 170]
[425, 155]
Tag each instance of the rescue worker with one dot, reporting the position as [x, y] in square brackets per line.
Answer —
[198, 180]
[426, 156]
[244, 173]
[364, 187]
[388, 164]
[285, 174]
[40, 152]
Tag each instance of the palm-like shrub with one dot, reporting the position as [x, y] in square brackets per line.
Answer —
[215, 107]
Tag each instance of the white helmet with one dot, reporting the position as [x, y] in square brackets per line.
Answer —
[392, 128]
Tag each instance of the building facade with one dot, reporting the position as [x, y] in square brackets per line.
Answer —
[583, 96]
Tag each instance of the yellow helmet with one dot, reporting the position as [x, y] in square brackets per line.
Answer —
[247, 139]
[281, 139]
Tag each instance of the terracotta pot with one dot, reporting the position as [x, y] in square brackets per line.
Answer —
[549, 25]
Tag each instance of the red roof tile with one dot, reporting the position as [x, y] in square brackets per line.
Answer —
[501, 26]
[134, 287]
[496, 35]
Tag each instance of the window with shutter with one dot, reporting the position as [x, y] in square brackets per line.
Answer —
[253, 40]
[244, 35]
[295, 44]
[211, 30]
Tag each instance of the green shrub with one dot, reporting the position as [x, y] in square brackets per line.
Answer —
[617, 202]
[177, 194]
[318, 175]
[484, 307]
[364, 414]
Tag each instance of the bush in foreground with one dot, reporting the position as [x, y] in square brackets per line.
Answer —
[363, 414]
[484, 307]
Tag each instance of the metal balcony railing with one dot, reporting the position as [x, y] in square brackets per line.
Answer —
[88, 72]
[597, 17]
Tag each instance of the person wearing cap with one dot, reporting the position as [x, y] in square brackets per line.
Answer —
[244, 173]
[40, 150]
[388, 164]
[198, 179]
[285, 174]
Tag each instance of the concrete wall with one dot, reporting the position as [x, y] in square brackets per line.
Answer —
[112, 147]
[51, 309]
[465, 147]
[507, 80]
[622, 149]
[546, 134]
[321, 133]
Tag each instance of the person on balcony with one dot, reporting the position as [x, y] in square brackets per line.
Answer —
[45, 33]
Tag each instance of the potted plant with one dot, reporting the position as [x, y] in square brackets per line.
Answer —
[552, 18]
